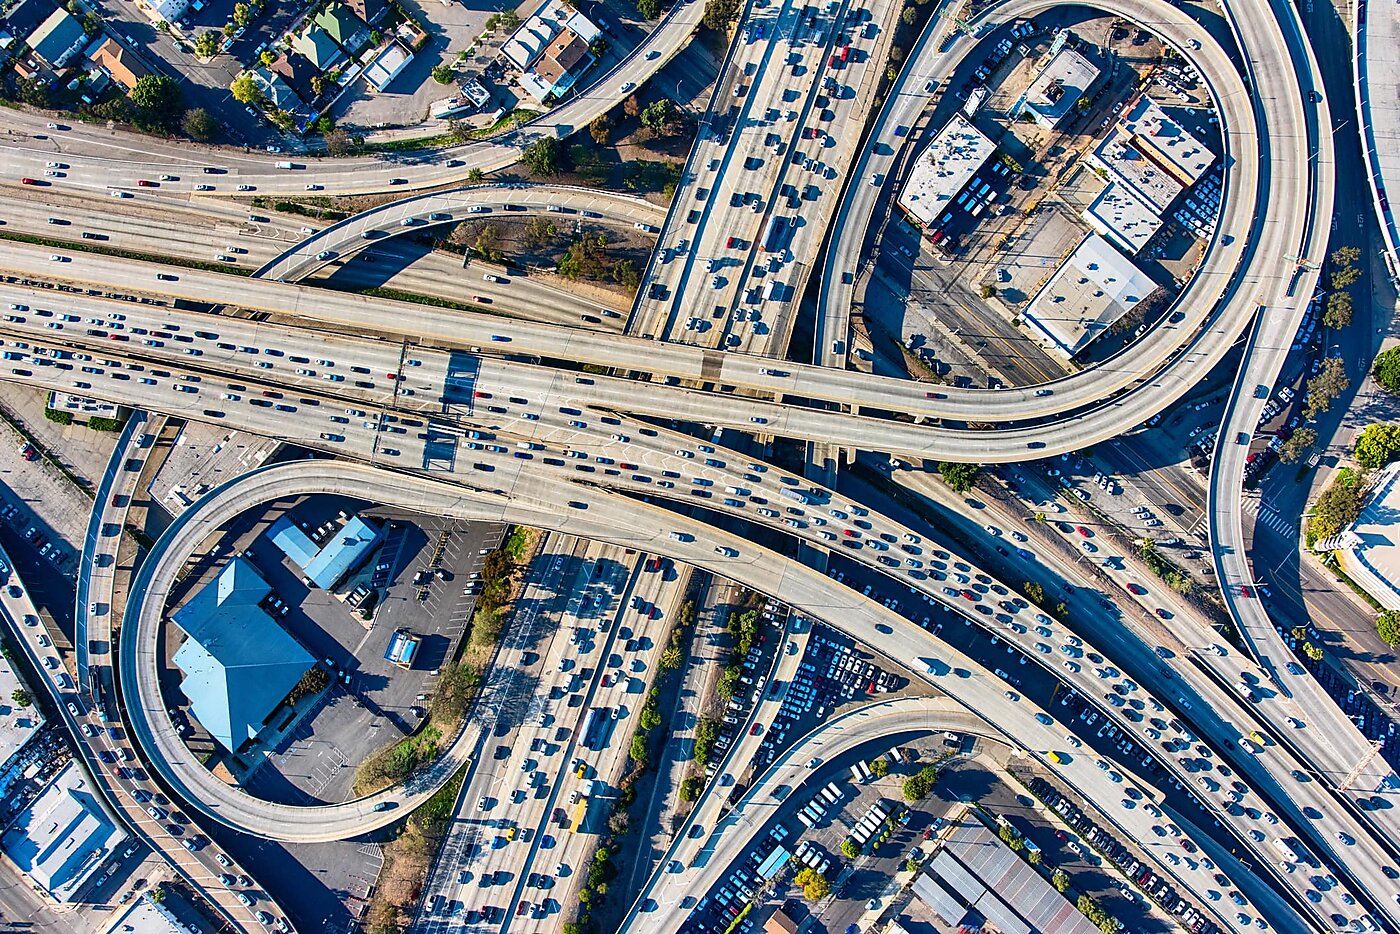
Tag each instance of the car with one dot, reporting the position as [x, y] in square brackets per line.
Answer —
[481, 803]
[626, 86]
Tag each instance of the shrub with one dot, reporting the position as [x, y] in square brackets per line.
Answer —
[959, 477]
[58, 416]
[1386, 369]
[1377, 445]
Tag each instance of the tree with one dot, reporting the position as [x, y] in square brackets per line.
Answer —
[691, 786]
[246, 91]
[1337, 507]
[1378, 445]
[158, 99]
[487, 244]
[1034, 857]
[21, 697]
[442, 74]
[1297, 445]
[1345, 276]
[814, 884]
[1338, 312]
[1034, 592]
[206, 45]
[661, 117]
[1386, 369]
[1060, 880]
[879, 766]
[1345, 255]
[539, 232]
[340, 143]
[1329, 383]
[959, 477]
[720, 13]
[1312, 651]
[631, 106]
[200, 125]
[475, 175]
[849, 849]
[987, 290]
[914, 788]
[545, 156]
[909, 14]
[671, 658]
[242, 14]
[1387, 627]
[600, 129]
[649, 9]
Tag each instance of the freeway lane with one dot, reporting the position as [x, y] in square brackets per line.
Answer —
[358, 440]
[99, 159]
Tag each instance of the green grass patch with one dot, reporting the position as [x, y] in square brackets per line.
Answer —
[452, 138]
[88, 247]
[516, 543]
[397, 295]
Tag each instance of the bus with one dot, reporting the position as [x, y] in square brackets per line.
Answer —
[774, 234]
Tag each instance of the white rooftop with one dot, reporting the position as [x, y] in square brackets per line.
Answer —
[1370, 549]
[17, 724]
[144, 916]
[1151, 154]
[943, 168]
[1059, 86]
[1123, 218]
[64, 835]
[1094, 287]
[533, 35]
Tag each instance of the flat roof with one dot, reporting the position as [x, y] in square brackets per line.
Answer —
[144, 916]
[1094, 287]
[388, 64]
[325, 565]
[1169, 143]
[17, 724]
[1123, 218]
[1060, 85]
[64, 835]
[945, 166]
[1370, 548]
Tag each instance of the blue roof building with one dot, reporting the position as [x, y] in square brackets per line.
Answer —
[57, 38]
[239, 664]
[327, 565]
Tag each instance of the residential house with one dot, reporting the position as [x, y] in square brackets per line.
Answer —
[278, 93]
[118, 63]
[57, 39]
[318, 48]
[551, 49]
[297, 73]
[24, 17]
[368, 10]
[347, 29]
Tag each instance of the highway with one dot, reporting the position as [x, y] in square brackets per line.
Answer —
[550, 426]
[99, 159]
[214, 875]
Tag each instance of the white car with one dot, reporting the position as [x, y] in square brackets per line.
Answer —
[626, 86]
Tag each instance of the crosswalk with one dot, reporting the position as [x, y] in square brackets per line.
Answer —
[1267, 515]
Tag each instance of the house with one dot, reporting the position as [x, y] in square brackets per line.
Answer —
[118, 63]
[388, 64]
[296, 72]
[346, 29]
[278, 94]
[318, 48]
[57, 39]
[170, 11]
[551, 49]
[24, 17]
[368, 10]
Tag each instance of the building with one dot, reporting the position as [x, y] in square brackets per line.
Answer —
[345, 28]
[296, 72]
[170, 11]
[318, 48]
[118, 63]
[1122, 218]
[17, 724]
[239, 664]
[1369, 549]
[278, 93]
[391, 60]
[975, 878]
[26, 15]
[403, 646]
[1094, 287]
[551, 50]
[326, 565]
[83, 406]
[63, 836]
[943, 169]
[143, 916]
[1061, 84]
[1150, 154]
[371, 11]
[779, 923]
[57, 39]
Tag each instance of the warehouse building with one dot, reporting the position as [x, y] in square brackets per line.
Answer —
[65, 834]
[1094, 287]
[326, 564]
[1061, 84]
[942, 170]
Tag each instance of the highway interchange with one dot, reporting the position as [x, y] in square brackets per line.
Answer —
[460, 368]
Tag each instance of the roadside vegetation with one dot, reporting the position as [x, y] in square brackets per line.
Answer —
[407, 858]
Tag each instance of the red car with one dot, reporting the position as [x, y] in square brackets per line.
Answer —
[852, 533]
[30, 181]
[145, 183]
[1137, 589]
[731, 242]
[1083, 531]
[969, 595]
[1245, 591]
